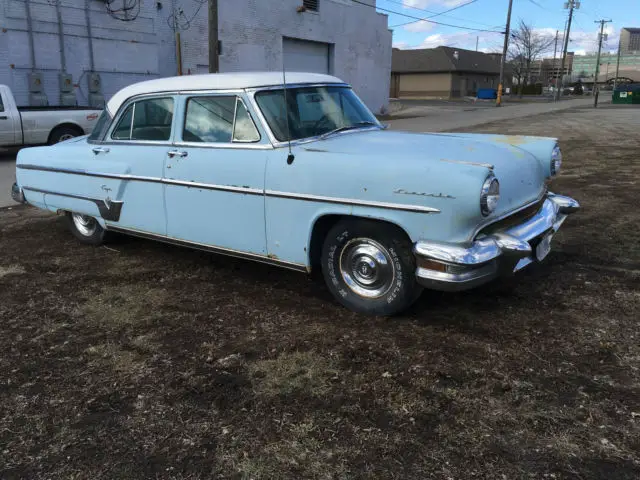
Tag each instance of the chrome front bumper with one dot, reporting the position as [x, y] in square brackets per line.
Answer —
[17, 194]
[455, 267]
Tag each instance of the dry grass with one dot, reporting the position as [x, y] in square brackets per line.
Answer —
[157, 362]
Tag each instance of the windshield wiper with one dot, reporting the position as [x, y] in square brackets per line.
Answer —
[348, 127]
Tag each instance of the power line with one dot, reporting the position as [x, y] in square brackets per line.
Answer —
[425, 19]
[436, 14]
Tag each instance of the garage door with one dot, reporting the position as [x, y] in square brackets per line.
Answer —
[306, 56]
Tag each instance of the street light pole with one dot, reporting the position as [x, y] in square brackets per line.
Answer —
[601, 37]
[504, 55]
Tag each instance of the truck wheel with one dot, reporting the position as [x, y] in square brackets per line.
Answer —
[369, 267]
[86, 229]
[62, 133]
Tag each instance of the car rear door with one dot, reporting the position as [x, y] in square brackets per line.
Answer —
[136, 147]
[214, 176]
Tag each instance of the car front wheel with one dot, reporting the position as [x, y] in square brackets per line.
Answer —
[369, 267]
[86, 229]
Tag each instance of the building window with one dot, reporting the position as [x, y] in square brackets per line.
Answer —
[311, 5]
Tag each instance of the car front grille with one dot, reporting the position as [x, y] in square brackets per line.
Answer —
[515, 219]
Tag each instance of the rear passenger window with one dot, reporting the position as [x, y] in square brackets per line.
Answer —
[1, 104]
[218, 119]
[148, 120]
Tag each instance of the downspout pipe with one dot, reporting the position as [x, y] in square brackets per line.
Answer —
[32, 49]
[63, 60]
[89, 35]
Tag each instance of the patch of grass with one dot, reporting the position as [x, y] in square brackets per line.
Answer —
[123, 305]
[11, 270]
[306, 372]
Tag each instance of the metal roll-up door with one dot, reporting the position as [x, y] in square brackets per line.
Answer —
[306, 56]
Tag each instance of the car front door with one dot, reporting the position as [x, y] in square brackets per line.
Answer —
[134, 152]
[214, 176]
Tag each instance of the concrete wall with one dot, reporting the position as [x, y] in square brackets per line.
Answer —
[124, 52]
[423, 85]
[251, 33]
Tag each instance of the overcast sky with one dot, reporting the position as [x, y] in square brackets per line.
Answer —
[547, 16]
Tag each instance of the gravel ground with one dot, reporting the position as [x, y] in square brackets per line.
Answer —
[143, 360]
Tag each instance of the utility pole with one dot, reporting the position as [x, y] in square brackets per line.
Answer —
[504, 54]
[477, 40]
[214, 66]
[571, 4]
[615, 80]
[553, 69]
[601, 37]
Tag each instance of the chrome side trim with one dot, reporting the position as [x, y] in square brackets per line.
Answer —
[208, 186]
[109, 209]
[244, 190]
[348, 201]
[237, 145]
[209, 248]
[118, 176]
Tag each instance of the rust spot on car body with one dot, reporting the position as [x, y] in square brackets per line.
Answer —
[514, 140]
[466, 162]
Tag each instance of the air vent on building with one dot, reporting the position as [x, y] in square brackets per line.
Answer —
[310, 5]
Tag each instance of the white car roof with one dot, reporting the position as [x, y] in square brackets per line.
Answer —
[214, 81]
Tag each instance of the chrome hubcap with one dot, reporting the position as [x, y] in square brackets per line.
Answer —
[66, 136]
[367, 267]
[84, 224]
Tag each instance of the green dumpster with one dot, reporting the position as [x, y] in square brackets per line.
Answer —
[628, 93]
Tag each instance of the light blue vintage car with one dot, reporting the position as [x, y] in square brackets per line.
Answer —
[303, 177]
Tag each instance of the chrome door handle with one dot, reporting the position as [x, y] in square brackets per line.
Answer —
[98, 150]
[176, 153]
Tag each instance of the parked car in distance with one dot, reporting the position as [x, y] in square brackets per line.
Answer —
[41, 125]
[303, 177]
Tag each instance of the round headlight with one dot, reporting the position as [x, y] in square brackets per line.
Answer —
[490, 195]
[556, 161]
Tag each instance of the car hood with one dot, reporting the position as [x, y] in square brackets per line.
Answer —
[520, 173]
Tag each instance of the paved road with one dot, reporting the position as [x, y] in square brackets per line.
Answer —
[7, 177]
[434, 119]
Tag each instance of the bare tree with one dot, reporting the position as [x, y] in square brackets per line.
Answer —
[526, 46]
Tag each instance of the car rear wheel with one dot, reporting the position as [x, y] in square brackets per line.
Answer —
[369, 267]
[86, 228]
[60, 134]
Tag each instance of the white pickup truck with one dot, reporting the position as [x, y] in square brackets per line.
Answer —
[22, 126]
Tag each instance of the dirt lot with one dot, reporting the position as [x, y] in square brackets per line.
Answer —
[149, 361]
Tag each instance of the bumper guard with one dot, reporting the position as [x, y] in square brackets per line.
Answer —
[455, 267]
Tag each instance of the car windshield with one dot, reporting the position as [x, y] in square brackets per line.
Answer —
[313, 111]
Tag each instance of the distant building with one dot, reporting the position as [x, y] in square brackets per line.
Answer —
[547, 70]
[584, 66]
[442, 72]
[630, 40]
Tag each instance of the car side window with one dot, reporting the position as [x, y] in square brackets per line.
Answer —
[1, 104]
[148, 120]
[244, 129]
[218, 119]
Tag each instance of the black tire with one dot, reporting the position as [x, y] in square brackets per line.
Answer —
[62, 133]
[350, 250]
[93, 234]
